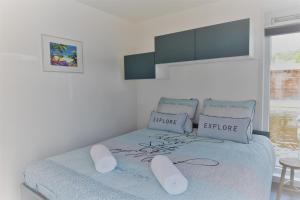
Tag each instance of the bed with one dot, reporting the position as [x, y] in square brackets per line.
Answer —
[215, 169]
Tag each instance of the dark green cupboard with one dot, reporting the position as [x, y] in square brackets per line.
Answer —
[175, 47]
[229, 39]
[139, 66]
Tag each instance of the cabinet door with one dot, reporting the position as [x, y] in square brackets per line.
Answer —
[139, 66]
[223, 40]
[175, 47]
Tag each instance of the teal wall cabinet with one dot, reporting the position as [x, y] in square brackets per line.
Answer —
[226, 40]
[230, 39]
[139, 66]
[175, 47]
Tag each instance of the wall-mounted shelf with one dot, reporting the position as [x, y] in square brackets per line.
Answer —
[175, 47]
[217, 43]
[139, 66]
[231, 39]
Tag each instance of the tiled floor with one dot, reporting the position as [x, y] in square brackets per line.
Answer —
[285, 194]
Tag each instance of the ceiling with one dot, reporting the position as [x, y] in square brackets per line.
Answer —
[141, 10]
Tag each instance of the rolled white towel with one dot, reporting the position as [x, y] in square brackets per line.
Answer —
[104, 161]
[168, 175]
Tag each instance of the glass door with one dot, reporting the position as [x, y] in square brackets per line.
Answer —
[284, 117]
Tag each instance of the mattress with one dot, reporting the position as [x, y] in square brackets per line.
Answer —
[215, 169]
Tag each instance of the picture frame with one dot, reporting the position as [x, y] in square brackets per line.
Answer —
[61, 54]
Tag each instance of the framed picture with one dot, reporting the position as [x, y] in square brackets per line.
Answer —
[61, 55]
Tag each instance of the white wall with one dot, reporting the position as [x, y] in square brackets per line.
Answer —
[234, 80]
[295, 10]
[49, 113]
[1, 106]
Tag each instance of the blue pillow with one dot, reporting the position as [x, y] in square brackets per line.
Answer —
[168, 122]
[188, 127]
[176, 106]
[224, 128]
[235, 109]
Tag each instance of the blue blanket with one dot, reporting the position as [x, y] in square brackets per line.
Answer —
[215, 169]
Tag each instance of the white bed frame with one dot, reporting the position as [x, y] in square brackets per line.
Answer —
[29, 194]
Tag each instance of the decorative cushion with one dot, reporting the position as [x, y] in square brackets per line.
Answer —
[234, 109]
[176, 106]
[188, 127]
[168, 122]
[227, 128]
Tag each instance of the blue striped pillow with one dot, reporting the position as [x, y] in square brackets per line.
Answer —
[176, 106]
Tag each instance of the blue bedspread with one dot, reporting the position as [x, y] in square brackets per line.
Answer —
[215, 169]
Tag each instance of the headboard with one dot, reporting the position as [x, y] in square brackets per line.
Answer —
[256, 132]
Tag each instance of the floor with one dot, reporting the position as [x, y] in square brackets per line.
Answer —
[285, 194]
